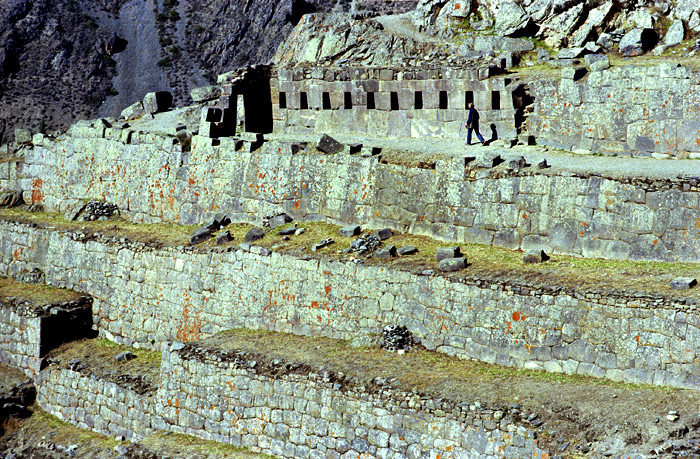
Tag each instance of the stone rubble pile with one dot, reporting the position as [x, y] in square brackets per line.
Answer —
[96, 210]
[363, 244]
[396, 338]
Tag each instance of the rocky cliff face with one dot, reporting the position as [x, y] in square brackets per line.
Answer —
[63, 60]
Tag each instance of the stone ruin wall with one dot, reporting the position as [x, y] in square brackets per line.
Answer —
[389, 102]
[149, 296]
[153, 180]
[641, 111]
[296, 413]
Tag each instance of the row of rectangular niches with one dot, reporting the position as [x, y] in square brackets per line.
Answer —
[394, 100]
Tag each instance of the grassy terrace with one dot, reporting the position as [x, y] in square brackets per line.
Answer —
[37, 294]
[486, 262]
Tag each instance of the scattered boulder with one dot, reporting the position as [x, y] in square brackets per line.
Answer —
[98, 210]
[637, 42]
[254, 234]
[213, 224]
[543, 56]
[133, 111]
[22, 135]
[322, 244]
[224, 220]
[407, 250]
[350, 231]
[200, 235]
[288, 231]
[675, 34]
[600, 64]
[156, 102]
[510, 18]
[535, 256]
[279, 220]
[570, 53]
[124, 356]
[683, 283]
[224, 237]
[385, 252]
[363, 244]
[383, 234]
[452, 264]
[205, 93]
[605, 41]
[448, 252]
[329, 145]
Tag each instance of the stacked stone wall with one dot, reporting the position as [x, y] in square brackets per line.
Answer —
[148, 296]
[308, 414]
[28, 332]
[90, 402]
[20, 339]
[591, 216]
[642, 111]
[382, 102]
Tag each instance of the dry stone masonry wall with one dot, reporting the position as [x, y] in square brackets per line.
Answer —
[388, 102]
[302, 413]
[91, 402]
[28, 332]
[591, 216]
[149, 296]
[643, 111]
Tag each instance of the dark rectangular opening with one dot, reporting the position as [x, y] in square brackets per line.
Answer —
[418, 100]
[370, 101]
[495, 100]
[443, 100]
[394, 98]
[303, 101]
[348, 101]
[326, 100]
[283, 100]
[468, 99]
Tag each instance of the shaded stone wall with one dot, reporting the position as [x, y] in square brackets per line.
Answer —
[149, 296]
[622, 110]
[152, 179]
[308, 414]
[90, 402]
[384, 102]
[28, 332]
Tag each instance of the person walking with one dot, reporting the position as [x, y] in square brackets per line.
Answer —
[473, 124]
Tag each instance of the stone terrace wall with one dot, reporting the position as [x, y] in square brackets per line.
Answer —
[28, 332]
[93, 403]
[20, 339]
[340, 100]
[307, 414]
[149, 296]
[155, 181]
[10, 173]
[622, 110]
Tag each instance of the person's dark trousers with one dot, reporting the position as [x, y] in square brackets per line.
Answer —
[478, 135]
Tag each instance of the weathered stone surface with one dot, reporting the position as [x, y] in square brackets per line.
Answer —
[384, 253]
[535, 256]
[452, 264]
[329, 145]
[637, 42]
[254, 234]
[510, 18]
[22, 135]
[407, 250]
[280, 220]
[675, 34]
[205, 93]
[350, 231]
[124, 356]
[599, 65]
[200, 235]
[683, 283]
[156, 102]
[383, 234]
[133, 111]
[448, 252]
[224, 237]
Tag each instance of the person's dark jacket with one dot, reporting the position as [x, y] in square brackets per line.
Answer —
[473, 119]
